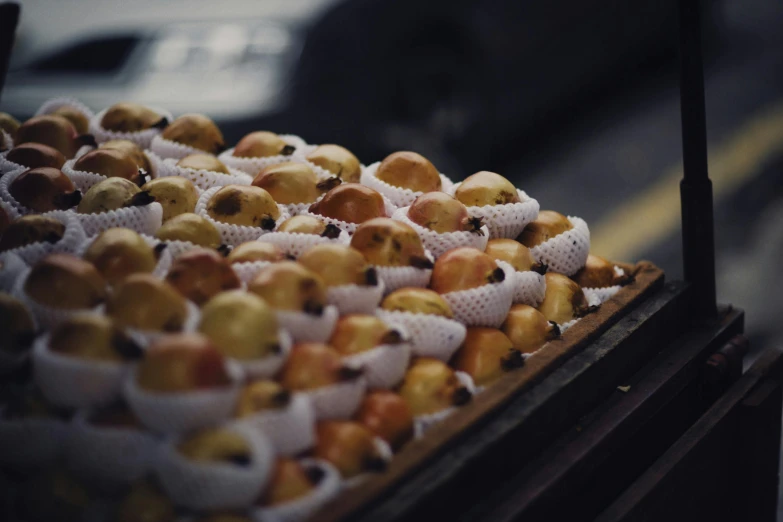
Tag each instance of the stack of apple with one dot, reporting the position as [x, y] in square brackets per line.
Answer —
[238, 334]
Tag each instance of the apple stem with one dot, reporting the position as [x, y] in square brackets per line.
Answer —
[141, 199]
[287, 150]
[497, 276]
[267, 223]
[161, 123]
[70, 200]
[461, 396]
[422, 263]
[540, 268]
[371, 276]
[555, 332]
[513, 360]
[331, 231]
[328, 184]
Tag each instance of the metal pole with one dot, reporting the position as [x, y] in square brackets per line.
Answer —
[698, 236]
[9, 17]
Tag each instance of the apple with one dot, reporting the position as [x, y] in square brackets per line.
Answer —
[563, 300]
[486, 354]
[388, 416]
[131, 150]
[131, 117]
[259, 396]
[314, 365]
[202, 161]
[197, 131]
[119, 252]
[253, 251]
[34, 155]
[244, 205]
[338, 160]
[113, 194]
[64, 281]
[339, 265]
[180, 363]
[351, 202]
[486, 188]
[52, 130]
[358, 333]
[201, 273]
[262, 144]
[598, 272]
[177, 195]
[515, 254]
[388, 242]
[291, 183]
[547, 225]
[109, 163]
[304, 224]
[216, 445]
[290, 481]
[528, 329]
[409, 170]
[31, 229]
[145, 302]
[441, 213]
[240, 325]
[349, 446]
[287, 285]
[431, 386]
[44, 189]
[191, 228]
[94, 337]
[464, 268]
[417, 301]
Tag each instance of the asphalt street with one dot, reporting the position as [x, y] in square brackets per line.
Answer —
[618, 165]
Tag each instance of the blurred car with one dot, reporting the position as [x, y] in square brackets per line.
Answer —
[226, 59]
[469, 84]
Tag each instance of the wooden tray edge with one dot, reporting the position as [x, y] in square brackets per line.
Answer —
[649, 278]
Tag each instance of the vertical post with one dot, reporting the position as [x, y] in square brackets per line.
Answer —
[698, 240]
[9, 17]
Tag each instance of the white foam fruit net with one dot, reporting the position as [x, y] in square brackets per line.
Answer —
[422, 423]
[203, 179]
[184, 411]
[83, 180]
[51, 105]
[118, 455]
[506, 221]
[141, 138]
[439, 243]
[337, 401]
[307, 327]
[565, 253]
[75, 382]
[350, 228]
[529, 287]
[401, 197]
[144, 220]
[430, 335]
[355, 299]
[252, 166]
[303, 507]
[212, 486]
[235, 234]
[291, 430]
[72, 239]
[384, 366]
[395, 277]
[485, 305]
[171, 149]
[296, 244]
[247, 271]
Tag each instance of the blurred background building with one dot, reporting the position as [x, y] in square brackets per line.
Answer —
[575, 101]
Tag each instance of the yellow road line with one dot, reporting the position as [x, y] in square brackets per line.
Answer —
[654, 214]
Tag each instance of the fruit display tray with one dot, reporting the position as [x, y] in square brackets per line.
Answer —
[352, 503]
